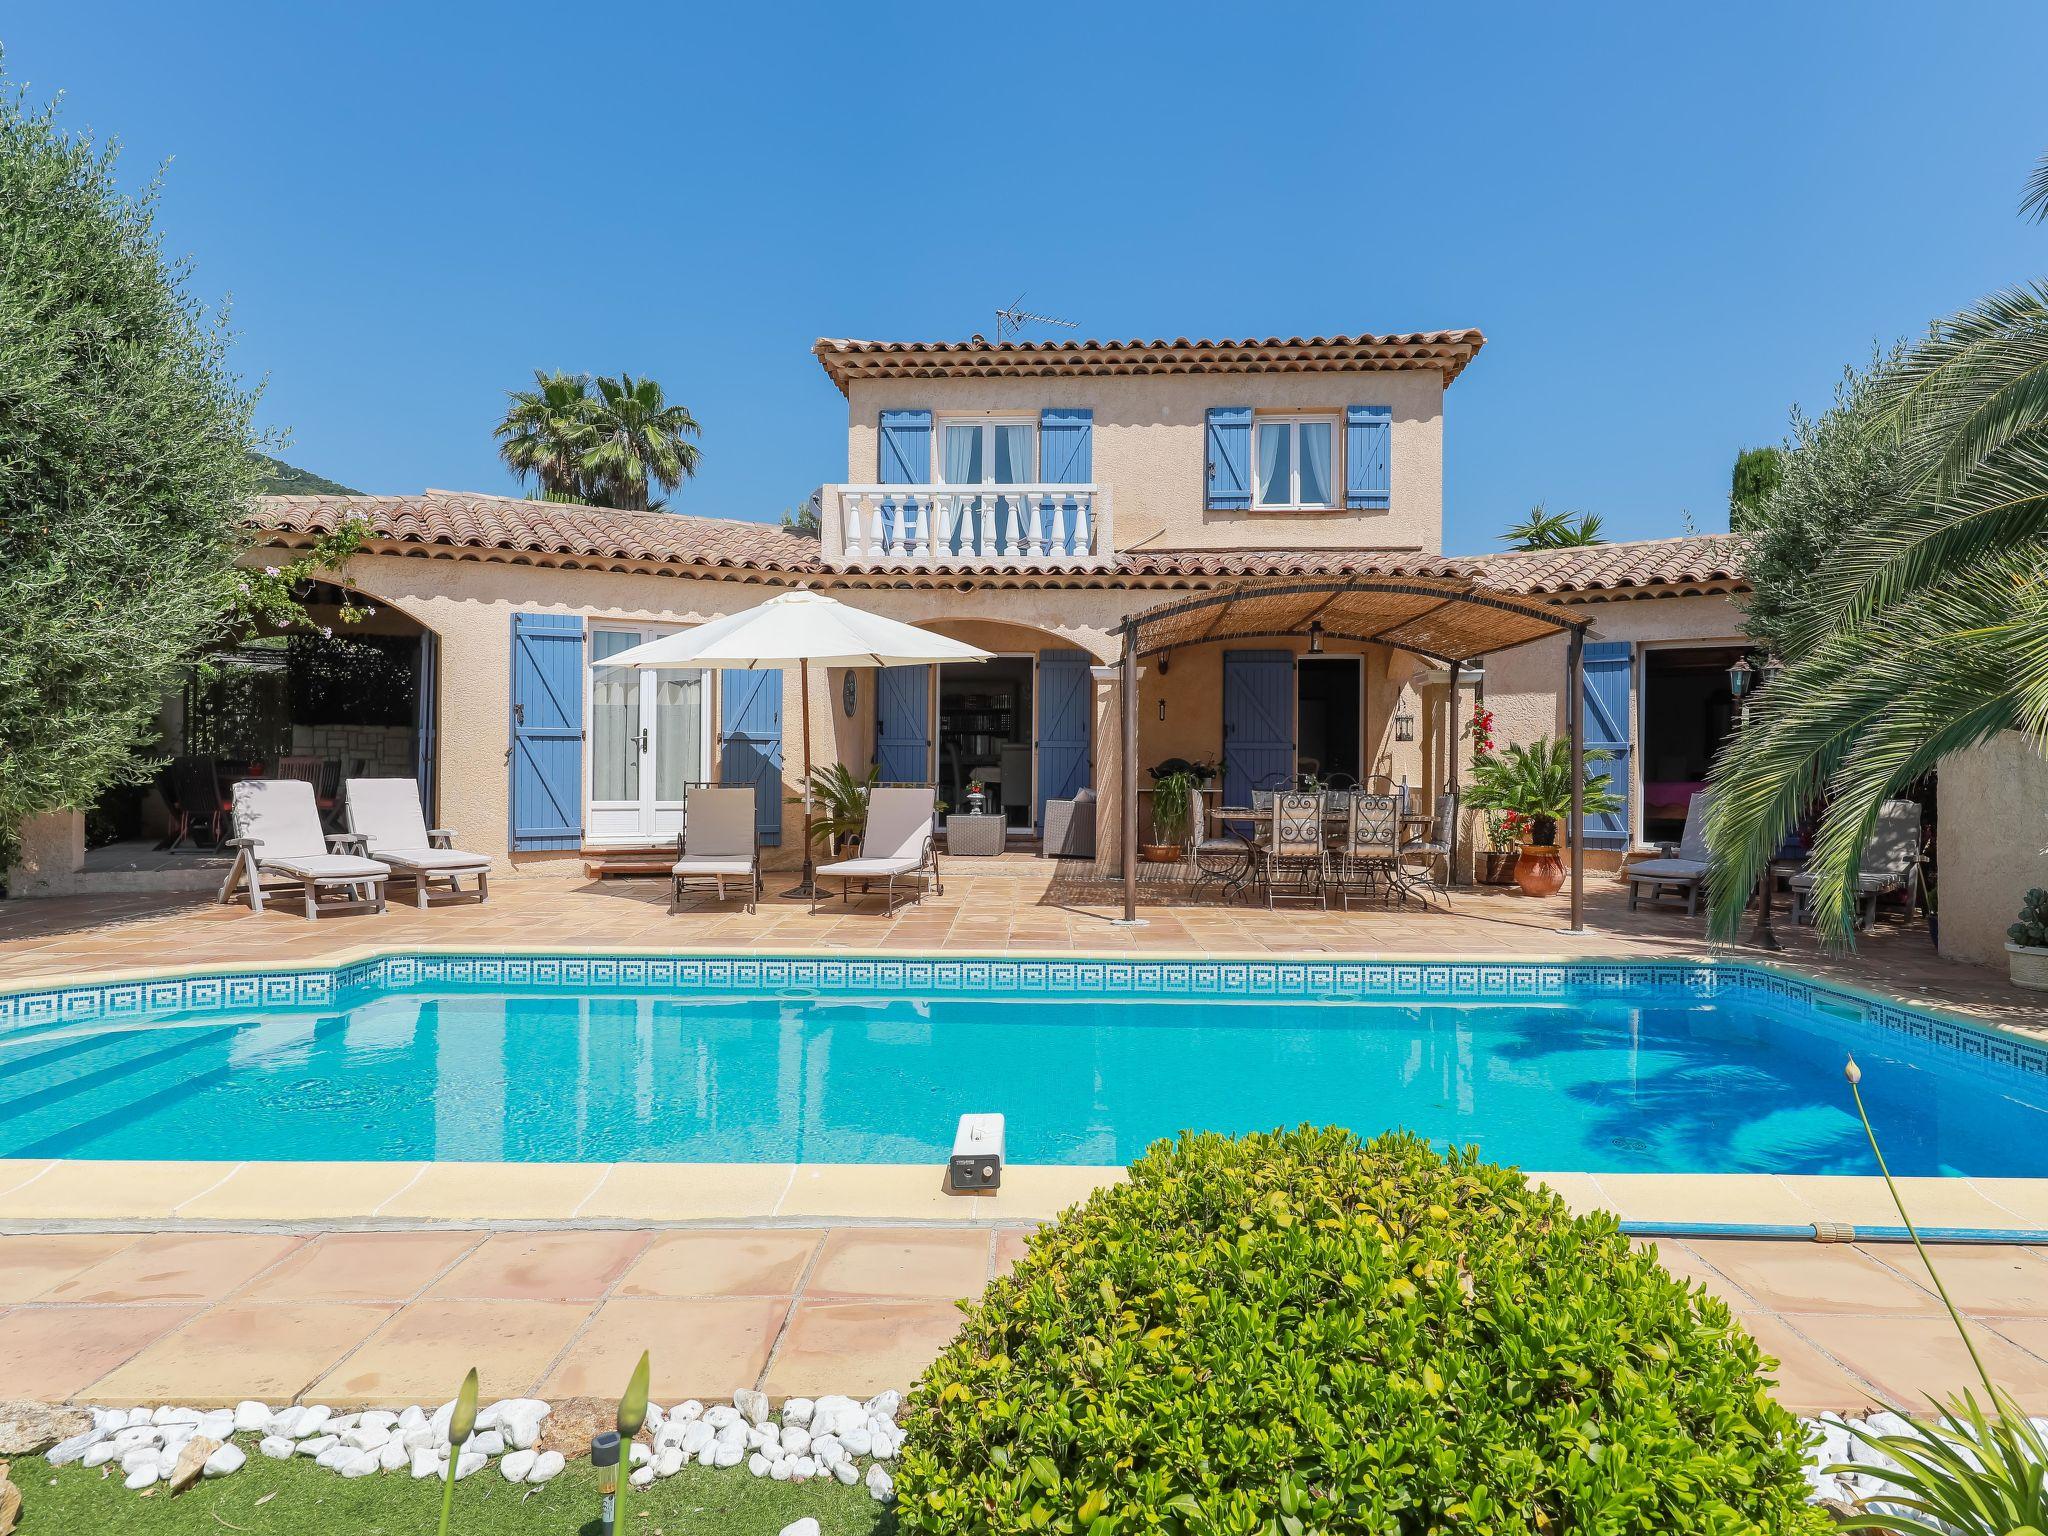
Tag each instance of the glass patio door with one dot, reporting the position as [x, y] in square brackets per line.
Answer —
[649, 740]
[987, 453]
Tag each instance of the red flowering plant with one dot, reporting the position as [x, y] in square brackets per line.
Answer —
[1505, 830]
[1479, 729]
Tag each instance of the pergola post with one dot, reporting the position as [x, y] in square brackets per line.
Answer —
[1452, 737]
[1575, 710]
[1129, 819]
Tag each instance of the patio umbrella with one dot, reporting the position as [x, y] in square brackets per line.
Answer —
[802, 627]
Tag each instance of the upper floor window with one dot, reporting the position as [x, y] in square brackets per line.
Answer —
[988, 451]
[1292, 458]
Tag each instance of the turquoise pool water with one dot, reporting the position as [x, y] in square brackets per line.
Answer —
[1566, 1068]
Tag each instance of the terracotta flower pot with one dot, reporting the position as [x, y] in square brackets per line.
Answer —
[1496, 866]
[1160, 853]
[1539, 871]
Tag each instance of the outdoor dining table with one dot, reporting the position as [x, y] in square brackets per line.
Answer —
[1232, 867]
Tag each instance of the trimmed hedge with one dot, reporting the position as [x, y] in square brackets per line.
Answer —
[1297, 1332]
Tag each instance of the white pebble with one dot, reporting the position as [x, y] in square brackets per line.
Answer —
[142, 1477]
[881, 1484]
[309, 1422]
[780, 1470]
[470, 1462]
[360, 1464]
[641, 1477]
[412, 1418]
[318, 1445]
[696, 1437]
[421, 1437]
[64, 1452]
[142, 1456]
[488, 1443]
[170, 1415]
[425, 1463]
[226, 1461]
[668, 1461]
[688, 1410]
[276, 1447]
[796, 1441]
[883, 1404]
[721, 1416]
[728, 1455]
[251, 1416]
[752, 1404]
[364, 1437]
[797, 1410]
[638, 1454]
[805, 1469]
[708, 1457]
[804, 1527]
[846, 1472]
[392, 1455]
[99, 1455]
[337, 1456]
[546, 1465]
[516, 1465]
[759, 1464]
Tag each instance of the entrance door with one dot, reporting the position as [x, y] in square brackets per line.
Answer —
[903, 742]
[1258, 722]
[1066, 704]
[649, 734]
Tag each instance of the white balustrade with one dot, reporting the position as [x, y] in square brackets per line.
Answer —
[934, 526]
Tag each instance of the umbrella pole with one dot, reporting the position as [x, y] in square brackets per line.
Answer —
[807, 886]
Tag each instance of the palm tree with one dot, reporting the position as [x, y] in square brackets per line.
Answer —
[2035, 204]
[547, 431]
[637, 440]
[1554, 530]
[1929, 630]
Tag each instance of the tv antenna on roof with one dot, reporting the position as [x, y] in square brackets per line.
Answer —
[1013, 319]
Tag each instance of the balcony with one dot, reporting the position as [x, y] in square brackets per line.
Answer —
[931, 527]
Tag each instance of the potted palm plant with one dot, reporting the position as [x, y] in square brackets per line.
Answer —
[1173, 810]
[839, 799]
[1534, 782]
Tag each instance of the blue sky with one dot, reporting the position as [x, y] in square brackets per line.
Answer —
[1672, 222]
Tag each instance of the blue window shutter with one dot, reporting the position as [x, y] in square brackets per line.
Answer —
[1368, 457]
[547, 730]
[1066, 446]
[750, 742]
[903, 742]
[1258, 722]
[1609, 726]
[906, 448]
[1066, 707]
[1229, 439]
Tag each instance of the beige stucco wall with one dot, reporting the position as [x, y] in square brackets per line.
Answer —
[1150, 449]
[1525, 687]
[1992, 843]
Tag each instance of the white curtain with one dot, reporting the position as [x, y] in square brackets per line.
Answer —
[678, 733]
[1276, 469]
[614, 720]
[1314, 437]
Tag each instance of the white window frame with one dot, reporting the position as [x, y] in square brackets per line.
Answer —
[984, 420]
[1293, 421]
[656, 818]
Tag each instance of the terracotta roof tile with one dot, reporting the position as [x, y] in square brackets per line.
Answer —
[472, 520]
[1700, 558]
[1444, 351]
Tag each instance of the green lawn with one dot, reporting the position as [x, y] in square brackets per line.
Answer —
[698, 1501]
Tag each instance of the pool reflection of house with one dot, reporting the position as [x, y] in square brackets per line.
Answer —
[1029, 498]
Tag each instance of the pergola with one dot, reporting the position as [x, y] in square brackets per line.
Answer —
[1446, 617]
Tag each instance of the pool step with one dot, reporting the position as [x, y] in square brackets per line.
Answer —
[56, 1112]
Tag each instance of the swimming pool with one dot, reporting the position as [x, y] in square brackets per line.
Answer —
[1651, 1067]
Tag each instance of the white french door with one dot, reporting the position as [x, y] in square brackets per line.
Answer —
[649, 739]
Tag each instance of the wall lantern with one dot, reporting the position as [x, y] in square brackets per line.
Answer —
[1315, 637]
[1741, 677]
[1404, 720]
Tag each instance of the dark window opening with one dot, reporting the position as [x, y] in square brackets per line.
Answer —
[1327, 707]
[1688, 711]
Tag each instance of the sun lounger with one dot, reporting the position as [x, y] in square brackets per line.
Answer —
[384, 816]
[897, 845]
[719, 841]
[1891, 862]
[277, 834]
[1682, 870]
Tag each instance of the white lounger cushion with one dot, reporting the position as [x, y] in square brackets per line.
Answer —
[438, 860]
[281, 818]
[324, 866]
[1864, 883]
[1669, 871]
[712, 864]
[861, 869]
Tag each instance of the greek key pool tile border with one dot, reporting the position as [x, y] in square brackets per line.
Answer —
[798, 977]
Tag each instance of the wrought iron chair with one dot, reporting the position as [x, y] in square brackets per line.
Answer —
[1433, 851]
[1369, 857]
[1294, 853]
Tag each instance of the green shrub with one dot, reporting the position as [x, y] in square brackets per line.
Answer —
[2032, 927]
[1296, 1332]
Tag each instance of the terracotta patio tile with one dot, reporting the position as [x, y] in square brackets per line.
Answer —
[1009, 1249]
[421, 1354]
[703, 1348]
[242, 1349]
[362, 1266]
[177, 1266]
[1808, 1381]
[901, 1264]
[52, 1354]
[858, 1347]
[1984, 1279]
[728, 1263]
[1816, 1277]
[542, 1266]
[1913, 1359]
[1693, 1262]
[33, 1263]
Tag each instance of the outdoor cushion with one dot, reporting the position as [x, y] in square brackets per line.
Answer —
[856, 869]
[437, 859]
[324, 866]
[1668, 871]
[1864, 883]
[281, 818]
[712, 864]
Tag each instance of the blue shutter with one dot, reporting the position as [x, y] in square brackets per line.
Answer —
[1066, 705]
[1066, 446]
[750, 742]
[1610, 727]
[1368, 457]
[426, 721]
[903, 725]
[547, 730]
[1229, 438]
[905, 456]
[1258, 722]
